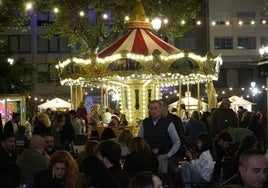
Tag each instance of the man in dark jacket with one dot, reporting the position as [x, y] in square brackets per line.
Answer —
[176, 120]
[160, 133]
[13, 125]
[7, 148]
[223, 118]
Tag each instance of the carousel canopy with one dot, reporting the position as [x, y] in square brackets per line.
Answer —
[139, 55]
[139, 41]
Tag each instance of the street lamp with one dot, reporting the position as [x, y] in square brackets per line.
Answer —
[156, 23]
[254, 91]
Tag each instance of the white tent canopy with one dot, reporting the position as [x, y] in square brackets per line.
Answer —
[239, 101]
[190, 103]
[55, 104]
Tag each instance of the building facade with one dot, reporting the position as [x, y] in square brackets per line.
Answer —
[236, 30]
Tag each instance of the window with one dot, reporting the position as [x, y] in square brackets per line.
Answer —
[246, 17]
[223, 43]
[264, 40]
[47, 73]
[244, 43]
[44, 19]
[222, 17]
[55, 44]
[18, 43]
[186, 43]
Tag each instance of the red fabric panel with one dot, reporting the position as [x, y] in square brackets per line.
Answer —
[109, 51]
[161, 43]
[139, 45]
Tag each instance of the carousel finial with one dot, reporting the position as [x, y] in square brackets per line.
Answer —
[138, 12]
[137, 18]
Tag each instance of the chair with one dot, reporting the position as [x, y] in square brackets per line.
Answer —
[78, 145]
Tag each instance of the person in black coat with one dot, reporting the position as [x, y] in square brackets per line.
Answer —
[141, 158]
[43, 126]
[13, 125]
[96, 174]
[67, 132]
[110, 153]
[7, 148]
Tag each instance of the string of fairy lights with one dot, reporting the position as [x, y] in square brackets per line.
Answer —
[159, 20]
[167, 93]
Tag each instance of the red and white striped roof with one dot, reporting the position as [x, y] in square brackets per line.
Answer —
[139, 41]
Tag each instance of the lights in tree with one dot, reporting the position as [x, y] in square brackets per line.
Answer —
[56, 10]
[183, 22]
[198, 22]
[105, 16]
[165, 21]
[126, 18]
[82, 13]
[28, 6]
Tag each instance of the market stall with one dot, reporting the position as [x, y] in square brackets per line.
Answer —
[55, 104]
[239, 101]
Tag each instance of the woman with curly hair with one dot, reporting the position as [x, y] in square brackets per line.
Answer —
[63, 172]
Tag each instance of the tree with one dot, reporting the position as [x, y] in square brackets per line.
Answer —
[92, 32]
[15, 78]
[13, 14]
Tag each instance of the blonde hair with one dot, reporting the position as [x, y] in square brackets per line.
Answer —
[82, 104]
[72, 177]
[43, 117]
[96, 107]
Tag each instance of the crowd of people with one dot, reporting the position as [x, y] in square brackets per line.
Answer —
[221, 147]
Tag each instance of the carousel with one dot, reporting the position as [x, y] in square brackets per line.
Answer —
[137, 66]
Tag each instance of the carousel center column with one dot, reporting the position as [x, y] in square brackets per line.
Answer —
[76, 95]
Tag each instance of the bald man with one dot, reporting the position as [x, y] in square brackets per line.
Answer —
[32, 160]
